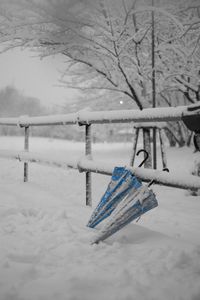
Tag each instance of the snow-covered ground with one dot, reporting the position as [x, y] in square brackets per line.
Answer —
[45, 250]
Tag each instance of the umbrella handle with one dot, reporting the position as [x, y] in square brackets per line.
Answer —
[153, 181]
[145, 158]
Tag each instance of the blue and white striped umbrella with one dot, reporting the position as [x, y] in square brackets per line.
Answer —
[122, 182]
[137, 202]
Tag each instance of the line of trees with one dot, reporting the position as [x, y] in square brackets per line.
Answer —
[13, 103]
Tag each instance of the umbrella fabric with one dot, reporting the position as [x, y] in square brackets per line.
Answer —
[136, 203]
[121, 182]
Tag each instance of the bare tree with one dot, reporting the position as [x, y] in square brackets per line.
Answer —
[107, 43]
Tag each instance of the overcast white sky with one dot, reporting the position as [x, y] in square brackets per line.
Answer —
[35, 77]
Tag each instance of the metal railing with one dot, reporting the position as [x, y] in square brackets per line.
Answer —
[101, 117]
[86, 119]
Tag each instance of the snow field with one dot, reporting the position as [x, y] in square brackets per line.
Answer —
[45, 250]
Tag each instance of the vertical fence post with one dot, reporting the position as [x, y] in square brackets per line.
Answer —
[26, 148]
[88, 152]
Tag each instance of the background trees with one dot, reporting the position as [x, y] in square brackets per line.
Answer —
[13, 103]
[108, 46]
[107, 43]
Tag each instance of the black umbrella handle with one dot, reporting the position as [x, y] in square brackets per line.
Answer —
[153, 181]
[145, 158]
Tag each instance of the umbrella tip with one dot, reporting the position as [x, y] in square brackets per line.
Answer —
[94, 243]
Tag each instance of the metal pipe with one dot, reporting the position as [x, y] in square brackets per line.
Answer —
[88, 153]
[172, 179]
[158, 114]
[26, 148]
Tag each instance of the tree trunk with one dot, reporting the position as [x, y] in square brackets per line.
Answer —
[189, 139]
[147, 147]
[181, 134]
[135, 141]
[171, 138]
[162, 148]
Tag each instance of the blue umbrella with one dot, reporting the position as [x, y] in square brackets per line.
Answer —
[122, 182]
[137, 202]
[133, 205]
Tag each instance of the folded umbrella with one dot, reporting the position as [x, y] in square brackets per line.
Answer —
[137, 202]
[122, 182]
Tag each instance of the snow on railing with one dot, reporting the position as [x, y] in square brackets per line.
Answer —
[159, 114]
[84, 165]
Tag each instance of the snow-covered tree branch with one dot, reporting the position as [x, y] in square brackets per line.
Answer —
[110, 41]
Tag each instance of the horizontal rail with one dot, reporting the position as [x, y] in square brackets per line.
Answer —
[99, 117]
[85, 165]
